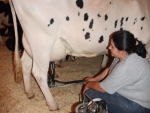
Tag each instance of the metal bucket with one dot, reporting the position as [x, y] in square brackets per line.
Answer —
[96, 105]
[81, 108]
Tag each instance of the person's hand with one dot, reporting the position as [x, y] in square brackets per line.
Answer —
[93, 85]
[89, 79]
[88, 85]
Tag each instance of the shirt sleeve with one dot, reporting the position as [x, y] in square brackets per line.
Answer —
[116, 79]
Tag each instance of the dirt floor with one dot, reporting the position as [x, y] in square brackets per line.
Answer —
[14, 100]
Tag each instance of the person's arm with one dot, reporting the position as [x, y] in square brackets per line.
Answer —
[99, 77]
[93, 85]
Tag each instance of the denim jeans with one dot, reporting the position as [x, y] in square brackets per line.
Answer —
[116, 103]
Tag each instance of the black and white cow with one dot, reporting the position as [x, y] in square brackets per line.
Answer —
[53, 29]
[6, 27]
[3, 21]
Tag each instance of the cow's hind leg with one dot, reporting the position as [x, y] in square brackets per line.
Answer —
[26, 69]
[40, 69]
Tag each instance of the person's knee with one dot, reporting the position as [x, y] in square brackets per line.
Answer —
[91, 94]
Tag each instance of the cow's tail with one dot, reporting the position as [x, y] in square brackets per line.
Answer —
[17, 62]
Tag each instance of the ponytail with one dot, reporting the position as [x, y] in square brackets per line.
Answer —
[140, 49]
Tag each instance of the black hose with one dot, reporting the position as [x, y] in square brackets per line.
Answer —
[70, 82]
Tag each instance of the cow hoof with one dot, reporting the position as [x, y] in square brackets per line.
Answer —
[55, 109]
[52, 108]
[30, 96]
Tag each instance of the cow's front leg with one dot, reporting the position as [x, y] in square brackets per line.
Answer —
[26, 69]
[104, 61]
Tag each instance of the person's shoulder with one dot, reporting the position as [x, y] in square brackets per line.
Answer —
[134, 55]
[129, 60]
[134, 58]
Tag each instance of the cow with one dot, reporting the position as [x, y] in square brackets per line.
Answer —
[3, 21]
[53, 29]
[6, 27]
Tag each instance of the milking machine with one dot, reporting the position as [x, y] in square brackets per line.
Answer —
[95, 105]
[51, 80]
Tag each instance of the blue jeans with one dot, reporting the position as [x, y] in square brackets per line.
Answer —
[116, 103]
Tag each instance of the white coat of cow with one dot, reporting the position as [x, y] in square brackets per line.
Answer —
[53, 29]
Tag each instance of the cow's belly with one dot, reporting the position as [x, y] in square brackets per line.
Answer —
[72, 40]
[64, 47]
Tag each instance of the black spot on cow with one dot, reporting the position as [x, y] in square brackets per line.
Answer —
[106, 17]
[91, 24]
[141, 28]
[101, 39]
[99, 15]
[143, 18]
[83, 29]
[78, 13]
[135, 20]
[86, 17]
[67, 18]
[121, 21]
[79, 3]
[127, 18]
[121, 29]
[116, 23]
[87, 35]
[51, 22]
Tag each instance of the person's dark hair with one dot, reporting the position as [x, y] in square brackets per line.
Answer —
[124, 40]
